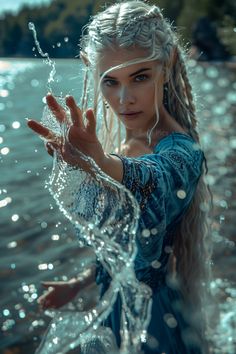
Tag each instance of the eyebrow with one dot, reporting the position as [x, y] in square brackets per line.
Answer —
[133, 74]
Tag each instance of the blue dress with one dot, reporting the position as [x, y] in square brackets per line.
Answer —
[163, 183]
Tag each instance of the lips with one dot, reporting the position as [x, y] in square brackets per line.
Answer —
[129, 113]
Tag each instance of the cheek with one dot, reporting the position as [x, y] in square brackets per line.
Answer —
[107, 94]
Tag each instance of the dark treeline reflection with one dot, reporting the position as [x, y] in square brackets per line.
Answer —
[61, 22]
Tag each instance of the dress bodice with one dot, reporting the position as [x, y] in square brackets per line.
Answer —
[164, 184]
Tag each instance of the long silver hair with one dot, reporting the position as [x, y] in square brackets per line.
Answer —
[137, 24]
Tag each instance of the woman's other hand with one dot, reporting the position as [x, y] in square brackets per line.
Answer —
[59, 293]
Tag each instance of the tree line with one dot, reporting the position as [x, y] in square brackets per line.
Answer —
[59, 24]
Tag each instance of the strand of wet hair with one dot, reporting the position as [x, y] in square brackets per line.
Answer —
[85, 91]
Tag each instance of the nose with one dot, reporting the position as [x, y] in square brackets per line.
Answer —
[125, 95]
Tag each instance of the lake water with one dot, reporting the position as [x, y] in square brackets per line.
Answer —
[37, 243]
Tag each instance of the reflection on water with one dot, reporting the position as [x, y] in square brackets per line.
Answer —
[37, 243]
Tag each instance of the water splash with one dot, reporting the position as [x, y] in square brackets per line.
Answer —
[89, 201]
[48, 61]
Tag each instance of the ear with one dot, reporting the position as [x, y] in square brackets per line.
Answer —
[84, 58]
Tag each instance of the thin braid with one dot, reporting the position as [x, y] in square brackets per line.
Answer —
[189, 95]
[181, 104]
[177, 104]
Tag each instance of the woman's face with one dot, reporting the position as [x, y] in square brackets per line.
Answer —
[130, 91]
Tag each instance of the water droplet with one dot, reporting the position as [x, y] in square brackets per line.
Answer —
[12, 244]
[34, 83]
[58, 44]
[154, 231]
[212, 72]
[207, 86]
[156, 264]
[66, 39]
[16, 125]
[223, 82]
[152, 342]
[6, 312]
[5, 201]
[181, 194]
[55, 340]
[210, 180]
[15, 217]
[43, 266]
[4, 93]
[222, 219]
[31, 26]
[170, 320]
[146, 233]
[1, 140]
[5, 151]
[55, 237]
[22, 314]
[43, 225]
[25, 288]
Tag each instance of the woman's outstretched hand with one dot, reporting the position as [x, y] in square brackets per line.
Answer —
[81, 136]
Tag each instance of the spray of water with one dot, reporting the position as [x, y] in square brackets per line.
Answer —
[48, 61]
[105, 216]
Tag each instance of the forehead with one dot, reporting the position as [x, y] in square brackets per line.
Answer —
[110, 58]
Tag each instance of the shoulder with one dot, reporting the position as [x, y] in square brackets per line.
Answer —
[179, 151]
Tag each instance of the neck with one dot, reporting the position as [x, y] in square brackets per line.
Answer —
[162, 129]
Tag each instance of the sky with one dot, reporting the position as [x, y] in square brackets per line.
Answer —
[15, 5]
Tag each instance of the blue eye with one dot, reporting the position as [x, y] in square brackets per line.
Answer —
[141, 77]
[109, 82]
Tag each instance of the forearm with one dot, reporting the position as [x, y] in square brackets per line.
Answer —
[112, 166]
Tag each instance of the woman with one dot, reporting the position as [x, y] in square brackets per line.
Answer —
[139, 77]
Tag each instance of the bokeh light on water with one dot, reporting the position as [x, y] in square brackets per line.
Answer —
[37, 243]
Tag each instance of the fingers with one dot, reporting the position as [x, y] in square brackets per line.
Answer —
[41, 130]
[91, 122]
[45, 133]
[76, 114]
[49, 148]
[38, 128]
[56, 108]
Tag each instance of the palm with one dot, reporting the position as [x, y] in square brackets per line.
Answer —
[81, 137]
